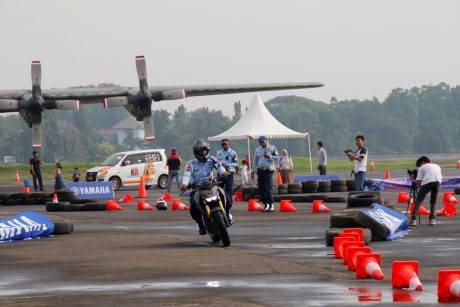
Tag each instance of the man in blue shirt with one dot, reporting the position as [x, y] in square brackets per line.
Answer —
[229, 160]
[198, 171]
[265, 158]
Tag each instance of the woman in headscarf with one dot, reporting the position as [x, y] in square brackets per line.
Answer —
[285, 167]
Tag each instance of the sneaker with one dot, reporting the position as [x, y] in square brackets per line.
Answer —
[432, 222]
[413, 223]
[230, 219]
[202, 230]
[270, 208]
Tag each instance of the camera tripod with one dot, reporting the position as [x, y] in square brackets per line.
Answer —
[412, 196]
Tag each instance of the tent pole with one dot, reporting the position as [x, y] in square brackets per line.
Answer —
[309, 153]
[249, 155]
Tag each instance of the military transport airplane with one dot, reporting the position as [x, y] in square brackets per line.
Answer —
[138, 101]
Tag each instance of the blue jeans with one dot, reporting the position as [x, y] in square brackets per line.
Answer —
[360, 177]
[171, 175]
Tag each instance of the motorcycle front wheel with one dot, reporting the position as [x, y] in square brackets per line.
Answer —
[221, 227]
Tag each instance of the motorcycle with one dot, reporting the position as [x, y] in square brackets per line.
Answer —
[210, 199]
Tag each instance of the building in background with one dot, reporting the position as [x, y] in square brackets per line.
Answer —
[128, 127]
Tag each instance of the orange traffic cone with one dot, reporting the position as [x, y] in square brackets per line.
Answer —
[238, 196]
[142, 193]
[112, 205]
[25, 189]
[404, 274]
[55, 198]
[253, 205]
[338, 245]
[287, 206]
[127, 198]
[177, 204]
[447, 196]
[448, 285]
[142, 205]
[421, 210]
[278, 180]
[348, 245]
[356, 230]
[403, 197]
[16, 178]
[167, 197]
[368, 266]
[387, 174]
[318, 207]
[352, 254]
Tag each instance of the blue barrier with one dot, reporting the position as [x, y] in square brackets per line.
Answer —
[94, 189]
[25, 225]
[300, 179]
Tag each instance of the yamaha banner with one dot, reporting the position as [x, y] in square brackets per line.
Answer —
[396, 222]
[396, 184]
[93, 190]
[25, 225]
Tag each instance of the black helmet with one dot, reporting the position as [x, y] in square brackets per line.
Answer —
[201, 144]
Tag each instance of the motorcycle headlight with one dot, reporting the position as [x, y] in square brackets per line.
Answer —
[211, 199]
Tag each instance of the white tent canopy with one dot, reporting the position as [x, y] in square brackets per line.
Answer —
[259, 121]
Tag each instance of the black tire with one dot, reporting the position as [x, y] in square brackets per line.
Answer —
[30, 202]
[65, 194]
[377, 229]
[457, 190]
[221, 228]
[116, 183]
[82, 201]
[282, 191]
[74, 207]
[11, 202]
[308, 191]
[62, 227]
[162, 182]
[46, 200]
[362, 199]
[4, 198]
[334, 232]
[324, 189]
[340, 188]
[360, 192]
[310, 185]
[215, 238]
[344, 219]
[294, 186]
[338, 183]
[41, 195]
[335, 199]
[55, 207]
[324, 183]
[97, 206]
[294, 191]
[351, 186]
[283, 186]
[19, 196]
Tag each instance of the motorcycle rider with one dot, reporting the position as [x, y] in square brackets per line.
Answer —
[198, 171]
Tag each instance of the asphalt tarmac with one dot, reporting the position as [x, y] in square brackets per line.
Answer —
[158, 258]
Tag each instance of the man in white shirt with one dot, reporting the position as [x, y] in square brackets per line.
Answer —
[360, 158]
[429, 179]
[322, 158]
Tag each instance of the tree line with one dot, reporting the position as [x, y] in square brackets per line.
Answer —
[417, 120]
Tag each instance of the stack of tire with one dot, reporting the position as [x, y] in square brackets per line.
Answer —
[310, 186]
[354, 216]
[23, 199]
[457, 190]
[283, 189]
[351, 185]
[338, 185]
[68, 202]
[294, 188]
[250, 192]
[324, 186]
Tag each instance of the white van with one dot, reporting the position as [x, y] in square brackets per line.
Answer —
[126, 168]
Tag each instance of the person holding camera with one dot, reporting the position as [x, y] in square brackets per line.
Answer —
[429, 178]
[359, 156]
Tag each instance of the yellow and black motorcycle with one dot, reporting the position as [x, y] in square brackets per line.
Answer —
[210, 199]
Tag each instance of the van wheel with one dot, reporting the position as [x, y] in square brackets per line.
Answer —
[162, 181]
[116, 183]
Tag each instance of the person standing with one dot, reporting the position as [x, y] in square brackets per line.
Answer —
[265, 157]
[36, 171]
[322, 158]
[285, 166]
[229, 160]
[173, 162]
[244, 172]
[75, 174]
[58, 182]
[429, 178]
[359, 156]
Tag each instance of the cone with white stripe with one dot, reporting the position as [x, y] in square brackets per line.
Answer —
[55, 198]
[449, 285]
[368, 267]
[405, 275]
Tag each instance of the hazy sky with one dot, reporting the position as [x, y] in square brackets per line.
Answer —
[359, 49]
